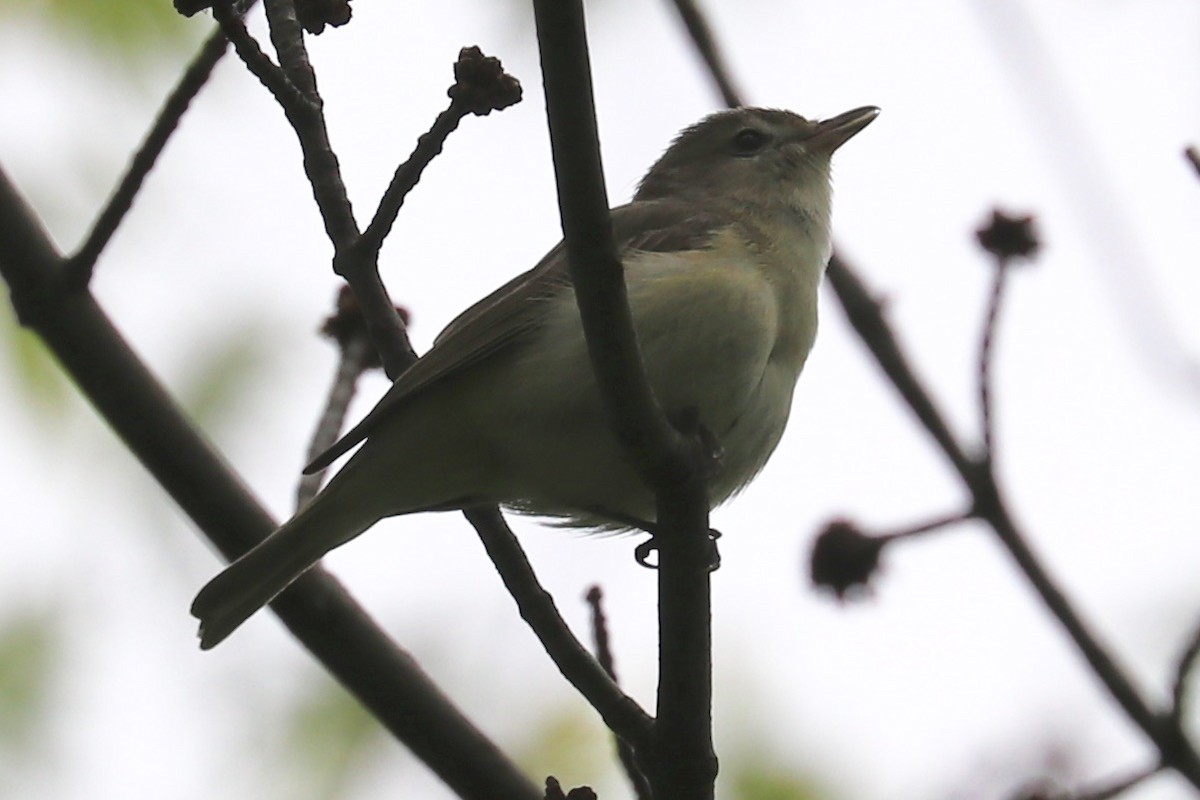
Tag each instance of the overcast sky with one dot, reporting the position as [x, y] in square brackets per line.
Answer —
[951, 680]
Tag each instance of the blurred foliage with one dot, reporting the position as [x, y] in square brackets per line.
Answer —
[753, 780]
[29, 649]
[569, 745]
[37, 376]
[220, 373]
[127, 29]
[329, 738]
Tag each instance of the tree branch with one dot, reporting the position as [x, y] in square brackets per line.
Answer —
[626, 753]
[681, 763]
[316, 609]
[865, 314]
[980, 480]
[619, 711]
[80, 266]
[866, 317]
[702, 37]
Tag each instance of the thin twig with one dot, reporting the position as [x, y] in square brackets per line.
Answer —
[865, 314]
[706, 46]
[480, 87]
[620, 712]
[79, 267]
[984, 366]
[287, 35]
[258, 62]
[1183, 671]
[682, 762]
[305, 111]
[429, 145]
[1008, 238]
[355, 357]
[1192, 154]
[929, 526]
[625, 751]
[1108, 789]
[316, 609]
[595, 600]
[865, 317]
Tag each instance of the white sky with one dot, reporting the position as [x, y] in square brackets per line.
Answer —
[950, 676]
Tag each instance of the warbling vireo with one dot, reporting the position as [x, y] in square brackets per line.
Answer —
[724, 245]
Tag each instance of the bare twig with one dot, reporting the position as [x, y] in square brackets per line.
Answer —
[316, 609]
[1073, 156]
[989, 506]
[706, 45]
[294, 89]
[287, 35]
[1102, 791]
[595, 599]
[844, 557]
[866, 316]
[681, 762]
[347, 327]
[78, 269]
[355, 357]
[481, 86]
[1193, 157]
[985, 358]
[620, 712]
[1008, 238]
[257, 62]
[625, 751]
[429, 145]
[1179, 687]
[929, 526]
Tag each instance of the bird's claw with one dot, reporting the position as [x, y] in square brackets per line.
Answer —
[642, 552]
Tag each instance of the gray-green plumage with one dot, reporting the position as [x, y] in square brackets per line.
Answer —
[724, 245]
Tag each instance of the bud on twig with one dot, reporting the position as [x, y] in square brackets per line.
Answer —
[481, 85]
[844, 558]
[1009, 237]
[314, 15]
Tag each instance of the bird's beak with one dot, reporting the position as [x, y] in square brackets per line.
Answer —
[830, 134]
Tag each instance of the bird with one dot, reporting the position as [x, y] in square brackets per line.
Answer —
[723, 247]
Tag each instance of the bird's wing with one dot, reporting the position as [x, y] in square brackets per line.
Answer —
[510, 314]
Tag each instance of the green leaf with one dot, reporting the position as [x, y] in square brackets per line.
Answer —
[40, 380]
[329, 736]
[571, 746]
[220, 375]
[755, 780]
[29, 650]
[127, 28]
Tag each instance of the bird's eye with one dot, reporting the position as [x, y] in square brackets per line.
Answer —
[749, 141]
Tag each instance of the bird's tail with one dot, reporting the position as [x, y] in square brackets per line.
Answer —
[253, 580]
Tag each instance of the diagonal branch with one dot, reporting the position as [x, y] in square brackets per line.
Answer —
[79, 267]
[1183, 670]
[620, 712]
[261, 66]
[702, 37]
[866, 316]
[316, 609]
